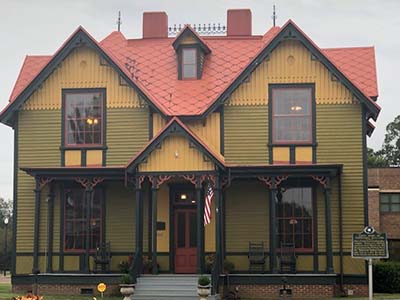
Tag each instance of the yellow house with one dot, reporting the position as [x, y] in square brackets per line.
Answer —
[189, 151]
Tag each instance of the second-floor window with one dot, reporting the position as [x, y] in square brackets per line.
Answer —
[292, 115]
[83, 117]
[390, 202]
[189, 63]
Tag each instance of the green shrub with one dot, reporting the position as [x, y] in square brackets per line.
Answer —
[123, 267]
[204, 280]
[126, 279]
[228, 266]
[387, 277]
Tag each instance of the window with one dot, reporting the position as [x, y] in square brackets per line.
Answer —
[75, 219]
[83, 118]
[189, 63]
[295, 218]
[390, 202]
[292, 115]
[394, 250]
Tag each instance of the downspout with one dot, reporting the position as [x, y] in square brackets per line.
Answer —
[341, 233]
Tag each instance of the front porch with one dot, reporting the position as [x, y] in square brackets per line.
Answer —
[166, 201]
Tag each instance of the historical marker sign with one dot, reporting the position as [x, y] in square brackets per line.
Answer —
[369, 244]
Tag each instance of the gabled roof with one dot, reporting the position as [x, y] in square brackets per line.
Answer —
[175, 126]
[149, 66]
[32, 79]
[188, 31]
[291, 31]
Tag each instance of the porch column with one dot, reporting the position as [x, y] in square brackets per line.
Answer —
[154, 188]
[88, 197]
[218, 241]
[329, 255]
[37, 191]
[272, 214]
[50, 217]
[139, 226]
[200, 228]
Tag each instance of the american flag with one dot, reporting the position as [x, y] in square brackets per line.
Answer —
[207, 208]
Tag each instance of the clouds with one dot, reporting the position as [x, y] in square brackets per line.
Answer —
[41, 26]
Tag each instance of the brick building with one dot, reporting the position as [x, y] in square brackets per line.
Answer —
[384, 205]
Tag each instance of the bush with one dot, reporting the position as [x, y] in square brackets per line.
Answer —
[204, 281]
[387, 277]
[126, 279]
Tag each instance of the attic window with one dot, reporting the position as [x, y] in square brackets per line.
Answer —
[189, 63]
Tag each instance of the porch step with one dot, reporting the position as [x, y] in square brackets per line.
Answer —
[167, 287]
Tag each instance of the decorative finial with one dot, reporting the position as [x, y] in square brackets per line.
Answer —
[274, 16]
[119, 21]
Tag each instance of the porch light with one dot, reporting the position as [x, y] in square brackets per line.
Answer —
[89, 121]
[183, 196]
[296, 108]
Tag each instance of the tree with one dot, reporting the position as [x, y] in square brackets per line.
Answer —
[391, 145]
[376, 159]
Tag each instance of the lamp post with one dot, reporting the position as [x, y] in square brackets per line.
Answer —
[5, 245]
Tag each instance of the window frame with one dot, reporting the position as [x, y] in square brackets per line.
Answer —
[64, 133]
[100, 193]
[196, 63]
[390, 203]
[313, 230]
[312, 115]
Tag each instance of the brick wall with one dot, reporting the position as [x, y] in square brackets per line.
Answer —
[383, 180]
[62, 289]
[390, 224]
[305, 291]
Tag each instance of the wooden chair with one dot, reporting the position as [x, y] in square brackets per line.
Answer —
[287, 258]
[256, 257]
[102, 258]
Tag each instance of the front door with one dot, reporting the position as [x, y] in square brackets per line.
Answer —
[185, 240]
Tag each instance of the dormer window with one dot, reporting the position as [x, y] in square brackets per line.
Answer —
[191, 51]
[189, 63]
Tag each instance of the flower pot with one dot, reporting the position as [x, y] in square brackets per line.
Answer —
[204, 291]
[127, 290]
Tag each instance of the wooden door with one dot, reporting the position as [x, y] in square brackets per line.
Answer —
[185, 240]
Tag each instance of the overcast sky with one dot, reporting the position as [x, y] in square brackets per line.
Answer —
[39, 27]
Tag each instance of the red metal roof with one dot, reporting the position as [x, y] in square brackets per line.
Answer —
[152, 66]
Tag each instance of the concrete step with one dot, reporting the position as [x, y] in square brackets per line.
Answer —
[166, 287]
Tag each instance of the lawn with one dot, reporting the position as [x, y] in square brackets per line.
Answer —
[5, 294]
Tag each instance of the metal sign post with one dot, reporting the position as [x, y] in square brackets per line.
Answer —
[368, 245]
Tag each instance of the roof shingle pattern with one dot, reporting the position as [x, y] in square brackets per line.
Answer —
[152, 65]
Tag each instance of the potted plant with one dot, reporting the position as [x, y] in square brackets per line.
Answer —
[209, 263]
[204, 287]
[127, 287]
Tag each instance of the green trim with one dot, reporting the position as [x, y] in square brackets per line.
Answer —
[50, 218]
[365, 167]
[173, 128]
[15, 196]
[171, 231]
[315, 229]
[103, 191]
[36, 228]
[290, 31]
[328, 227]
[292, 154]
[151, 125]
[62, 219]
[222, 130]
[80, 38]
[154, 190]
[83, 157]
[272, 226]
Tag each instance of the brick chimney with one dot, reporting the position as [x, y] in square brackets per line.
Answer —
[239, 22]
[155, 25]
